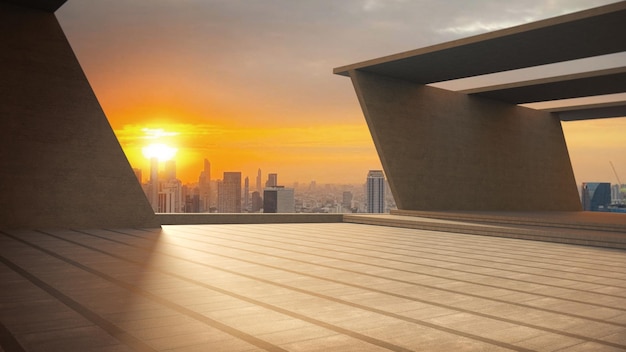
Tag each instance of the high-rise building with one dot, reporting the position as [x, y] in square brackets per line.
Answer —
[259, 187]
[347, 199]
[229, 193]
[246, 194]
[257, 202]
[204, 186]
[596, 196]
[278, 200]
[170, 199]
[375, 188]
[617, 193]
[153, 195]
[272, 180]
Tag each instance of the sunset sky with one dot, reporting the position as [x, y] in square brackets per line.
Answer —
[249, 84]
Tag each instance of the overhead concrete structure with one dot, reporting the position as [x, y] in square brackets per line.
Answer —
[479, 150]
[61, 165]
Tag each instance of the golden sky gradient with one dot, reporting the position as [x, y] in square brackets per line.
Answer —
[249, 84]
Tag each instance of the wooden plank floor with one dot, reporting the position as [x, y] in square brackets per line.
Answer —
[305, 287]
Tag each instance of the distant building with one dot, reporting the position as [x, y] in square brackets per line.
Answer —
[617, 193]
[204, 186]
[347, 199]
[246, 194]
[272, 180]
[170, 199]
[279, 200]
[257, 202]
[375, 188]
[229, 193]
[259, 187]
[153, 187]
[596, 196]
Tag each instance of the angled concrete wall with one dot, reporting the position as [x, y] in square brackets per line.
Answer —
[444, 150]
[61, 165]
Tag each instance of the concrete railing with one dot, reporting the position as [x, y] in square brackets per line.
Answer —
[245, 218]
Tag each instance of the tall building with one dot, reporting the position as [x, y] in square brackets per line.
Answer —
[229, 193]
[278, 200]
[257, 202]
[170, 199]
[153, 195]
[272, 180]
[617, 193]
[246, 194]
[596, 196]
[204, 186]
[259, 186]
[347, 199]
[375, 188]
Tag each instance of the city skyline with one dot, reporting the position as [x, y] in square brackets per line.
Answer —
[250, 84]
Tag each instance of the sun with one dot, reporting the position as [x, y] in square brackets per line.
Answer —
[159, 150]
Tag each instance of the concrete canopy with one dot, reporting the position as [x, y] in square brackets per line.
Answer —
[44, 5]
[479, 149]
[593, 32]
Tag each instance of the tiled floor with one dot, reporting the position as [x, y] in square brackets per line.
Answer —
[305, 287]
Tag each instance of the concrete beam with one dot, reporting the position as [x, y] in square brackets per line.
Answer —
[576, 85]
[593, 32]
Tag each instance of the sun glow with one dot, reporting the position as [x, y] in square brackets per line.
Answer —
[159, 150]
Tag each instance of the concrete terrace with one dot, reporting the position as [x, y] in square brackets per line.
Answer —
[305, 287]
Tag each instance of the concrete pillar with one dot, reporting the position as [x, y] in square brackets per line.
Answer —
[444, 150]
[61, 165]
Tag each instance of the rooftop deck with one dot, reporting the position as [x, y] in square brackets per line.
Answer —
[305, 287]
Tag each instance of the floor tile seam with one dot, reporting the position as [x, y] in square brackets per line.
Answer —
[555, 297]
[403, 249]
[396, 295]
[466, 239]
[412, 283]
[475, 246]
[432, 275]
[424, 265]
[611, 238]
[418, 248]
[210, 322]
[337, 328]
[106, 326]
[197, 316]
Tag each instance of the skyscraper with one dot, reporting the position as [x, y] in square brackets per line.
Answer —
[259, 187]
[375, 188]
[278, 200]
[257, 202]
[204, 185]
[596, 196]
[246, 194]
[229, 193]
[347, 199]
[153, 197]
[272, 180]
